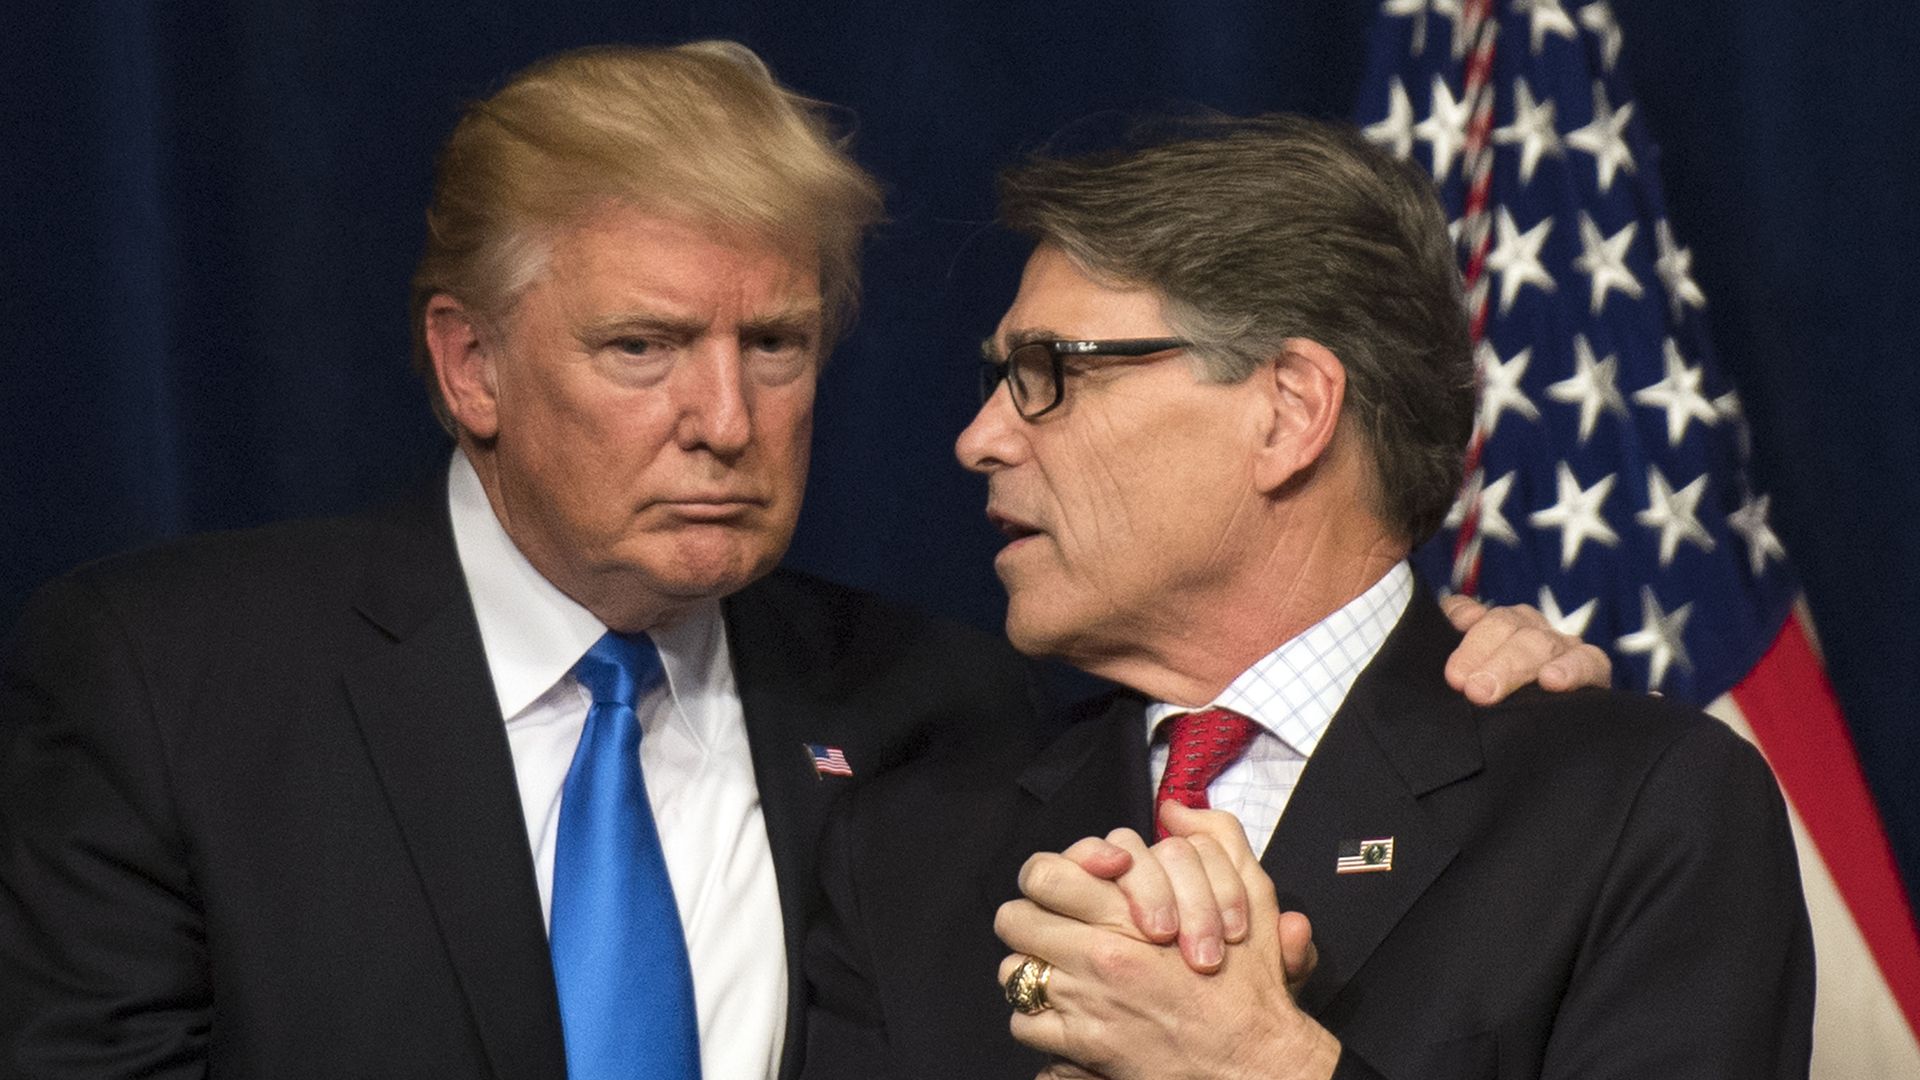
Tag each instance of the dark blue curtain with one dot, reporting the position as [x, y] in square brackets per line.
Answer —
[211, 210]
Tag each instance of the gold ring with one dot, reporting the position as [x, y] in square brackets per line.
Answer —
[1026, 987]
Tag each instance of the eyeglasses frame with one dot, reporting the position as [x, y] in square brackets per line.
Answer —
[994, 372]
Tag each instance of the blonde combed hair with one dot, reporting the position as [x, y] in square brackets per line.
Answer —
[700, 132]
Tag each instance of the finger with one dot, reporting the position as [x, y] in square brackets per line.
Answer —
[1059, 885]
[1528, 643]
[1298, 956]
[1091, 971]
[1228, 891]
[1584, 665]
[1218, 825]
[1462, 611]
[1221, 842]
[1045, 1031]
[1099, 857]
[1481, 642]
[1051, 1029]
[1202, 938]
[1149, 894]
[1517, 663]
[1069, 944]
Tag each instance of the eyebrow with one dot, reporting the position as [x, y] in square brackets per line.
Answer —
[990, 349]
[630, 321]
[801, 317]
[794, 320]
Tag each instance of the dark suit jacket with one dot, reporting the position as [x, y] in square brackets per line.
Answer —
[257, 806]
[1589, 884]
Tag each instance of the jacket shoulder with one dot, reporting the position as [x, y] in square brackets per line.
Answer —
[1598, 725]
[859, 636]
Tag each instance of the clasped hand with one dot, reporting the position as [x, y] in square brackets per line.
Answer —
[1168, 961]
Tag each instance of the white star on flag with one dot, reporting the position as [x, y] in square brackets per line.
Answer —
[1468, 495]
[1410, 9]
[1493, 519]
[1572, 623]
[1605, 137]
[1500, 386]
[1417, 10]
[1445, 128]
[1576, 513]
[1674, 264]
[1679, 394]
[1675, 513]
[1660, 637]
[1548, 17]
[1604, 260]
[1450, 9]
[1532, 128]
[1592, 386]
[1598, 17]
[1750, 521]
[1516, 257]
[1728, 406]
[1395, 131]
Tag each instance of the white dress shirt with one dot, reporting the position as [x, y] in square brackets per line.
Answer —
[1292, 693]
[693, 753]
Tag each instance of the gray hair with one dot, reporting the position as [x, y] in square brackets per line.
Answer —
[1262, 229]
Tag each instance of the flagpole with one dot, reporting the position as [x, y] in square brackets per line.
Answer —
[1475, 235]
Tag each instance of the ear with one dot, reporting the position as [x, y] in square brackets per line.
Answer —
[1305, 386]
[463, 362]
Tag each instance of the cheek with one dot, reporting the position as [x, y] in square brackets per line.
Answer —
[1105, 480]
[786, 432]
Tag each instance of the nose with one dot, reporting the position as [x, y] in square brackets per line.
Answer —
[997, 436]
[715, 414]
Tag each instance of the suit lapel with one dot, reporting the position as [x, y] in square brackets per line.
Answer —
[1400, 734]
[780, 658]
[426, 710]
[1091, 780]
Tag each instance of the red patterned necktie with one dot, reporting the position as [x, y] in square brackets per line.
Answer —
[1200, 745]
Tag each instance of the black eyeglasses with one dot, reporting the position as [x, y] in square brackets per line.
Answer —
[1036, 374]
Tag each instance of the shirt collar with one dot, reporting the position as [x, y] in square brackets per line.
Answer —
[532, 632]
[1293, 691]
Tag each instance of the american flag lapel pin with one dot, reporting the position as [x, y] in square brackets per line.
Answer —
[828, 760]
[1364, 856]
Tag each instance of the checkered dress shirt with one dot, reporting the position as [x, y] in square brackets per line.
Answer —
[1292, 693]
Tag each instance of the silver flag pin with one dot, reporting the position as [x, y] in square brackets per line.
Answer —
[1364, 856]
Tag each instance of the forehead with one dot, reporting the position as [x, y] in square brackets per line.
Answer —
[621, 254]
[1059, 300]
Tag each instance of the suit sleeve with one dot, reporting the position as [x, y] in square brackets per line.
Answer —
[1698, 962]
[846, 1029]
[102, 962]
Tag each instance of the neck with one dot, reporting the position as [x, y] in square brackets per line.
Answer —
[1315, 567]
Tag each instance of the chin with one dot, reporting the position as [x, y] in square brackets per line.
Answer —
[1031, 635]
[701, 567]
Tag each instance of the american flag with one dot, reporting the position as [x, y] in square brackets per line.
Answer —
[1364, 856]
[1607, 479]
[828, 760]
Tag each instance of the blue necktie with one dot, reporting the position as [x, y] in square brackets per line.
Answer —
[619, 955]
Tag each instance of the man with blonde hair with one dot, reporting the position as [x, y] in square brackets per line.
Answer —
[371, 796]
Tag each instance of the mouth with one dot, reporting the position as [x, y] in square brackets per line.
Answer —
[709, 508]
[1012, 527]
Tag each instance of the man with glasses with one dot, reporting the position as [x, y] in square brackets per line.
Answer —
[1231, 394]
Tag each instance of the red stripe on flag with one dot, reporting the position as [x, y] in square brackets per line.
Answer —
[1791, 708]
